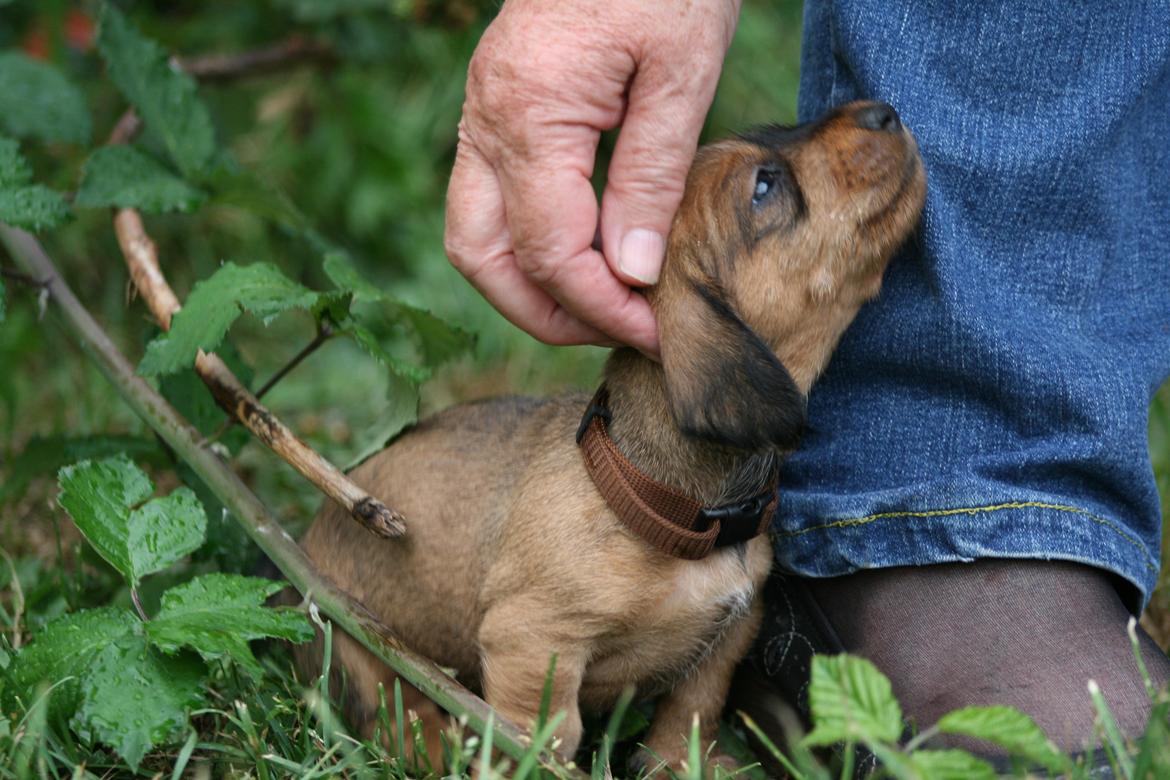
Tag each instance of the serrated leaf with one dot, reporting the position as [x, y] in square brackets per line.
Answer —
[25, 205]
[33, 207]
[165, 97]
[214, 304]
[36, 101]
[372, 346]
[437, 340]
[1007, 727]
[135, 698]
[125, 177]
[401, 411]
[339, 268]
[246, 190]
[851, 700]
[14, 169]
[950, 765]
[107, 499]
[65, 648]
[218, 614]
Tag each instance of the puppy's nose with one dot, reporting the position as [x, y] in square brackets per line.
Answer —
[879, 116]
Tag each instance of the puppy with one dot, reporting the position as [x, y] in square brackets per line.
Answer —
[515, 551]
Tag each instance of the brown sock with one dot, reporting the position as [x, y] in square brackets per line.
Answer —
[1028, 634]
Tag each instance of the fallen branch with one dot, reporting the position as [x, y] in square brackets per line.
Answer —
[224, 67]
[142, 259]
[256, 520]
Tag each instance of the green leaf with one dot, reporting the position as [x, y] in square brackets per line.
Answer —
[438, 341]
[372, 346]
[65, 648]
[107, 499]
[191, 398]
[1010, 729]
[135, 698]
[165, 98]
[36, 101]
[218, 614]
[125, 177]
[23, 204]
[400, 412]
[245, 190]
[340, 270]
[33, 208]
[851, 701]
[14, 169]
[214, 304]
[950, 765]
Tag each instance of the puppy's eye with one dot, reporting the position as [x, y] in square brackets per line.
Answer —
[765, 185]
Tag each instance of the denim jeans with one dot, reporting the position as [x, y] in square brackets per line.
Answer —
[993, 401]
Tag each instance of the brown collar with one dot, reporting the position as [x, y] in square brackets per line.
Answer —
[668, 520]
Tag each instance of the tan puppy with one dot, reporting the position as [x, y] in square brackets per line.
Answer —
[512, 555]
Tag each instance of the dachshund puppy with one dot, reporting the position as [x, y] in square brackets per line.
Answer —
[520, 546]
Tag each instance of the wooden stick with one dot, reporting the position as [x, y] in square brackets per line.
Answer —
[142, 259]
[256, 520]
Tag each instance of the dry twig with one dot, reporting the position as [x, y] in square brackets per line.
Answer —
[142, 259]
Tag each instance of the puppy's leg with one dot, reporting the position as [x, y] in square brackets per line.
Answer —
[703, 694]
[517, 647]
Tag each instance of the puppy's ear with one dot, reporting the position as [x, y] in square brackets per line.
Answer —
[724, 383]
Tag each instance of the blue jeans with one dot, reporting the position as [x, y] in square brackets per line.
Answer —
[993, 402]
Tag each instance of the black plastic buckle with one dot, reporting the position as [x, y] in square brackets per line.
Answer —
[595, 409]
[738, 522]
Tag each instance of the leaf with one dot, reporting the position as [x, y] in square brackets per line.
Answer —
[22, 203]
[36, 101]
[107, 499]
[1010, 729]
[437, 341]
[400, 412]
[125, 177]
[33, 208]
[186, 392]
[247, 191]
[851, 701]
[218, 614]
[43, 456]
[14, 169]
[165, 98]
[950, 765]
[372, 346]
[65, 648]
[135, 698]
[214, 304]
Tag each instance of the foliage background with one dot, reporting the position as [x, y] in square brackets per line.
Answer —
[363, 146]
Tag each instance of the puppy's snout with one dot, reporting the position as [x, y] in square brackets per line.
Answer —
[878, 116]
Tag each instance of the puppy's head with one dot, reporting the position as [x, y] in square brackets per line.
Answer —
[782, 235]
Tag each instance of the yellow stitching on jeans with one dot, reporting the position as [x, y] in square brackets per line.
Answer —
[977, 510]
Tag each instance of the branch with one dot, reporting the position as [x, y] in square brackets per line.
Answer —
[225, 67]
[256, 520]
[142, 260]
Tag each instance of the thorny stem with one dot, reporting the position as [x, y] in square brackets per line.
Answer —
[255, 518]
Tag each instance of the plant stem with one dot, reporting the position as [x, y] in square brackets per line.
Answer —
[138, 605]
[323, 334]
[252, 515]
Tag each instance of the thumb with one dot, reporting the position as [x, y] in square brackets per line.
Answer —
[648, 171]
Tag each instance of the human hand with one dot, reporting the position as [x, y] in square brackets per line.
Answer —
[546, 79]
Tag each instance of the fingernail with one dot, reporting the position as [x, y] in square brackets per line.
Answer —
[640, 255]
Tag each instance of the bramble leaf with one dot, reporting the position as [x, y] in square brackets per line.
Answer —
[1010, 729]
[36, 101]
[218, 614]
[23, 204]
[65, 648]
[851, 701]
[165, 97]
[950, 765]
[134, 697]
[214, 304]
[125, 177]
[108, 500]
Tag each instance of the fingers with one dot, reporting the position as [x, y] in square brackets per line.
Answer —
[479, 244]
[647, 174]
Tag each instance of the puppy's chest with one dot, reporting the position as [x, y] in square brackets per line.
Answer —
[679, 620]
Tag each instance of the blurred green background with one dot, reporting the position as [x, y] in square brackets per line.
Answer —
[363, 146]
